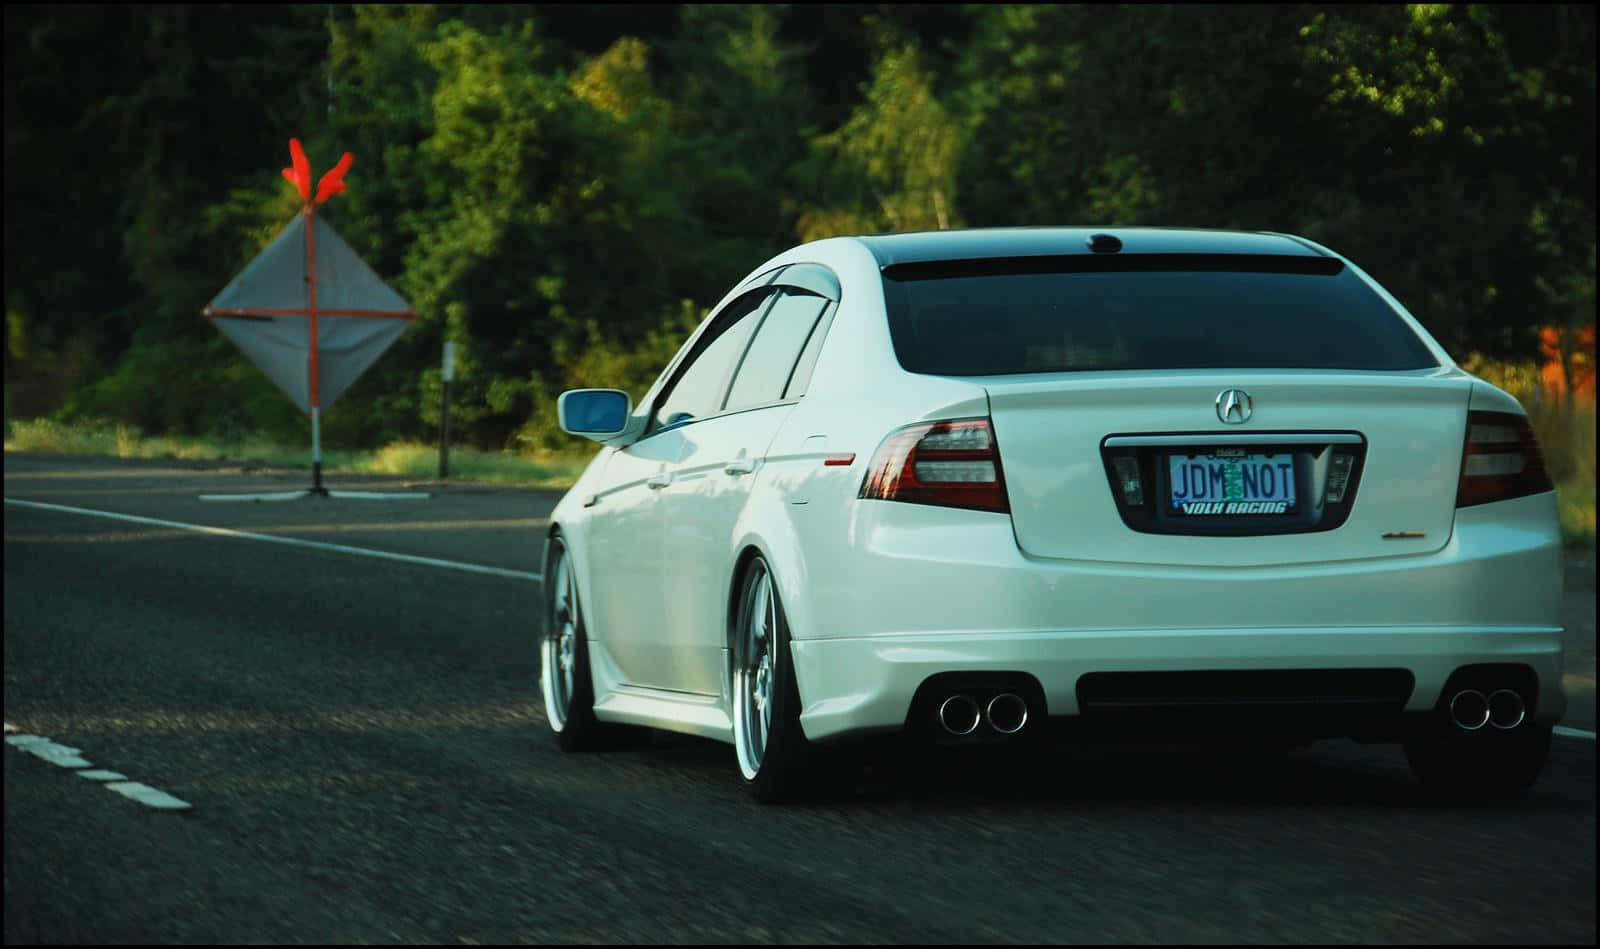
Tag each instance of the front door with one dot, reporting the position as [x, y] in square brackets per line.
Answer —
[625, 551]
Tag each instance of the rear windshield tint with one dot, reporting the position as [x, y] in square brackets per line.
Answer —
[1078, 313]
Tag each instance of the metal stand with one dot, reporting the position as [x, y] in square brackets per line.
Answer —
[317, 490]
[316, 454]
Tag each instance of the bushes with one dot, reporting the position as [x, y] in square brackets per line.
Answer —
[155, 386]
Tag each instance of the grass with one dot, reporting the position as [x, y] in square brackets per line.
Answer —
[1566, 432]
[414, 460]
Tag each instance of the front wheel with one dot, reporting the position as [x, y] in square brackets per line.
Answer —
[774, 756]
[564, 658]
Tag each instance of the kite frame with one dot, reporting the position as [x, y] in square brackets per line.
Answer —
[312, 312]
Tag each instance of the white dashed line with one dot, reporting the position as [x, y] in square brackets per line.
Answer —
[42, 747]
[290, 541]
[148, 796]
[99, 775]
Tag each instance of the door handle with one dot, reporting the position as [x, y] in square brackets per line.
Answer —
[740, 466]
[658, 481]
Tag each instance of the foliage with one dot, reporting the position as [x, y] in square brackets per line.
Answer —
[892, 165]
[1565, 427]
[564, 192]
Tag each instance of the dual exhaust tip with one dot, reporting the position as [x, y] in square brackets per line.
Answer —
[960, 714]
[1471, 710]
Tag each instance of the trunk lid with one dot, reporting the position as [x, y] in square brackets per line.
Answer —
[1400, 435]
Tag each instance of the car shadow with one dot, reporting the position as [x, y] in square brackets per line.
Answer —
[1330, 773]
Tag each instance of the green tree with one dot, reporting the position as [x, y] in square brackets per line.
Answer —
[893, 165]
[1420, 141]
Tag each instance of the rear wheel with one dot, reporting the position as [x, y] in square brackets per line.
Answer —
[774, 756]
[1480, 764]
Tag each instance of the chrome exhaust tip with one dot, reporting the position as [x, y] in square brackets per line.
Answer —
[959, 715]
[1007, 713]
[1469, 710]
[1506, 710]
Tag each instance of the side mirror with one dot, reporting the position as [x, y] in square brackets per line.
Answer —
[598, 414]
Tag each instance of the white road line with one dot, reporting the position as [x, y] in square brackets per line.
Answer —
[147, 795]
[1574, 732]
[252, 498]
[66, 757]
[297, 495]
[100, 774]
[39, 746]
[290, 541]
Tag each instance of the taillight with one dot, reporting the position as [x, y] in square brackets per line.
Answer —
[952, 464]
[1501, 461]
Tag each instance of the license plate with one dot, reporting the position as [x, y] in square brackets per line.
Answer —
[1231, 483]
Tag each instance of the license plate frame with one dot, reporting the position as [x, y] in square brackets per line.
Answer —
[1230, 482]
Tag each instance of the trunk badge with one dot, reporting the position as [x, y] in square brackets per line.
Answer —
[1234, 406]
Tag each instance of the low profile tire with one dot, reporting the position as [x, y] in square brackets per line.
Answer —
[775, 759]
[564, 659]
[1480, 765]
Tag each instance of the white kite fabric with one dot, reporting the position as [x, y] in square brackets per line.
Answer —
[267, 311]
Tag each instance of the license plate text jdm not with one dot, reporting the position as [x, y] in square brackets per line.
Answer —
[1231, 483]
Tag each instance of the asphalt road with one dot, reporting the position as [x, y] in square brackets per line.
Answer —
[365, 759]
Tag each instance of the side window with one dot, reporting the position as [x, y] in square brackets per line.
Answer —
[801, 377]
[697, 390]
[764, 373]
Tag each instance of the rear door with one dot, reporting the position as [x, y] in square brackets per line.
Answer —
[634, 542]
[711, 484]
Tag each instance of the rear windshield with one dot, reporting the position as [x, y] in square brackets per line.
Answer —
[1170, 311]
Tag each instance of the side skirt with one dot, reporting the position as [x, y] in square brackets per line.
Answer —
[690, 713]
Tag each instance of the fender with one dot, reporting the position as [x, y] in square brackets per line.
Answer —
[570, 517]
[765, 527]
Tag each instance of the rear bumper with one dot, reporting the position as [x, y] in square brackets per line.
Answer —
[901, 608]
[866, 685]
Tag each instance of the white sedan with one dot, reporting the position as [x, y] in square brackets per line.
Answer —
[1000, 485]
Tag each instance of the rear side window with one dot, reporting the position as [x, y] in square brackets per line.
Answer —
[1175, 311]
[800, 379]
[771, 358]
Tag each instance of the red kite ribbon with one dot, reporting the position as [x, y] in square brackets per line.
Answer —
[332, 183]
[300, 174]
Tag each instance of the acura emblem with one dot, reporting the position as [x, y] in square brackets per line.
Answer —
[1233, 406]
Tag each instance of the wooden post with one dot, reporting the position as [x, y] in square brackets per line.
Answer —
[444, 410]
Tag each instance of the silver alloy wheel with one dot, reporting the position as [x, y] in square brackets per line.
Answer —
[753, 672]
[558, 645]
